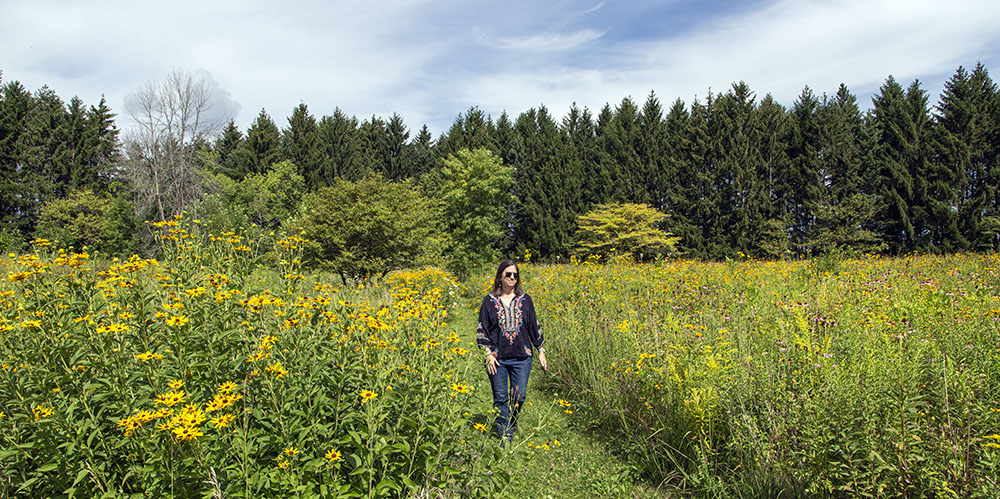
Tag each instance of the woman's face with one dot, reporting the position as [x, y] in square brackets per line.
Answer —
[509, 275]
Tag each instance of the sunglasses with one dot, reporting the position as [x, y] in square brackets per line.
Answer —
[510, 274]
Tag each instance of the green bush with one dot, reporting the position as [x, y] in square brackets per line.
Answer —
[363, 230]
[84, 219]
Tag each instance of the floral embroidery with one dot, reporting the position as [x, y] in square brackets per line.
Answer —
[509, 332]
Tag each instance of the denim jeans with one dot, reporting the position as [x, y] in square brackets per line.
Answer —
[506, 401]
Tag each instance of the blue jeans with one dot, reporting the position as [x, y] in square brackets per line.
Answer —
[508, 402]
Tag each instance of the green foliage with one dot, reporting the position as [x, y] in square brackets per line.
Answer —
[475, 192]
[625, 228]
[365, 229]
[841, 227]
[83, 219]
[273, 197]
[290, 387]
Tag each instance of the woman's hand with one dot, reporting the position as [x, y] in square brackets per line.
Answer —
[541, 359]
[491, 364]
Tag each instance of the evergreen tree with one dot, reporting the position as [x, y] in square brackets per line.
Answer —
[620, 140]
[342, 148]
[845, 217]
[101, 148]
[804, 188]
[585, 154]
[17, 205]
[707, 205]
[734, 134]
[395, 156]
[420, 154]
[966, 150]
[548, 191]
[300, 144]
[840, 129]
[678, 177]
[651, 150]
[232, 151]
[472, 130]
[262, 146]
[895, 133]
[374, 145]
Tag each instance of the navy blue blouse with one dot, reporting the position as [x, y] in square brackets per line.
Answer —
[509, 332]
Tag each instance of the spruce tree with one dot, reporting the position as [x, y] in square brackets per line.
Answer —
[396, 145]
[965, 150]
[548, 190]
[300, 145]
[678, 177]
[803, 189]
[263, 146]
[894, 152]
[232, 153]
[341, 144]
[16, 203]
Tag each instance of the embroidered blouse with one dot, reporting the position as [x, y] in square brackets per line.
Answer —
[509, 331]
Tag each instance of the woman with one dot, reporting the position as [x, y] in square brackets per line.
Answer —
[508, 331]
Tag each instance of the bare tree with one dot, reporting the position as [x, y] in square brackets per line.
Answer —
[171, 118]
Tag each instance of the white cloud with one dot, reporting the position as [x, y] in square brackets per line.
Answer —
[546, 42]
[428, 61]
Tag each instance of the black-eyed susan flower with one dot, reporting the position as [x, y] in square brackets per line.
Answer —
[367, 395]
[222, 421]
[332, 455]
[171, 398]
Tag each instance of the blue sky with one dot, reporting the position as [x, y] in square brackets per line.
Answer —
[431, 60]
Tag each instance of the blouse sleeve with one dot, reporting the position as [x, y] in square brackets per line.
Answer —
[534, 329]
[483, 337]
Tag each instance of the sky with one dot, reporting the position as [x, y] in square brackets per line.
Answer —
[430, 61]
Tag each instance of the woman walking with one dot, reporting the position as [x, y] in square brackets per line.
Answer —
[508, 332]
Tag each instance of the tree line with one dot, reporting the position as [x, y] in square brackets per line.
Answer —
[734, 172]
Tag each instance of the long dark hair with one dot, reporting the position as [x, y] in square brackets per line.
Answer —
[498, 286]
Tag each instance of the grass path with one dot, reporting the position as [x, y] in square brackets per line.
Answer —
[550, 458]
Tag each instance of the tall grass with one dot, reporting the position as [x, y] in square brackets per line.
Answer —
[872, 377]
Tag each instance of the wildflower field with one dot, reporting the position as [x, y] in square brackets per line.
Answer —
[850, 378]
[223, 370]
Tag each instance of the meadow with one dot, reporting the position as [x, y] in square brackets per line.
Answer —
[222, 369]
[832, 377]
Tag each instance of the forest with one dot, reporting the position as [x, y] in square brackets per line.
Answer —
[735, 173]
